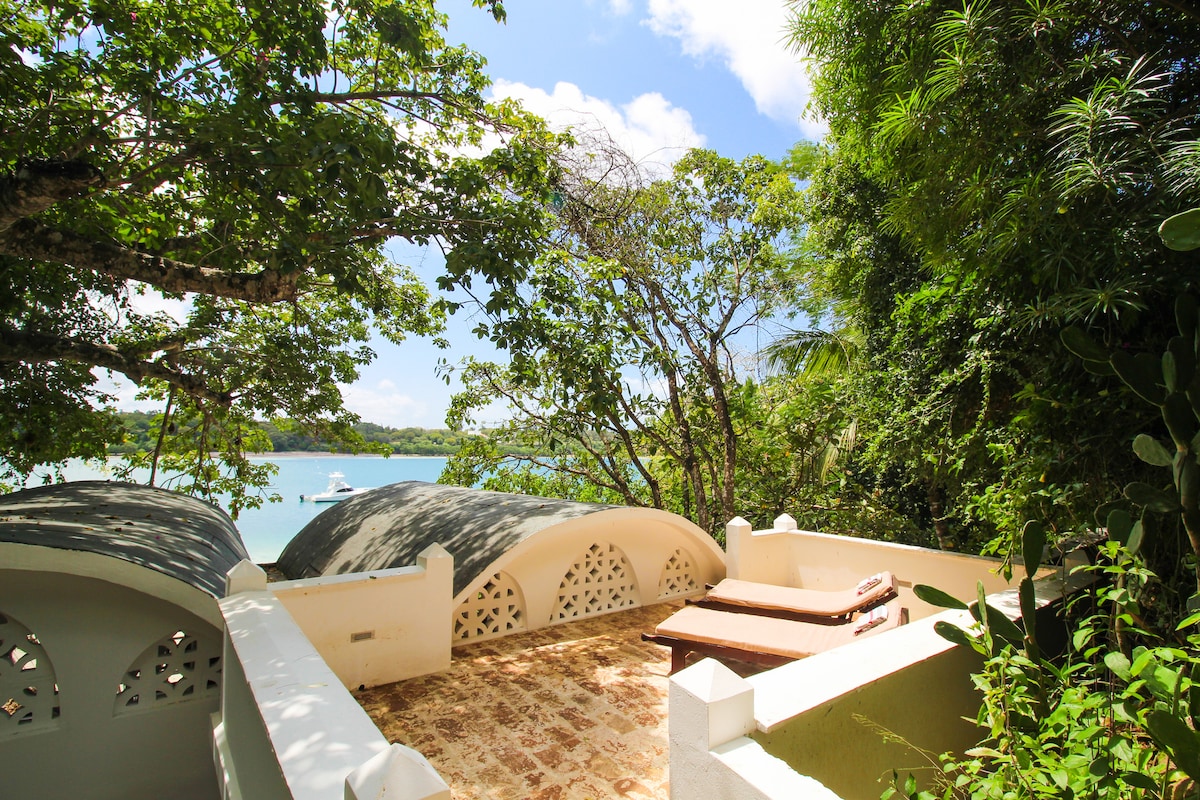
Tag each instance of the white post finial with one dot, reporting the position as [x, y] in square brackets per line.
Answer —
[785, 522]
[245, 576]
[398, 772]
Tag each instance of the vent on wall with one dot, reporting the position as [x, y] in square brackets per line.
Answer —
[493, 609]
[175, 669]
[28, 686]
[678, 576]
[600, 581]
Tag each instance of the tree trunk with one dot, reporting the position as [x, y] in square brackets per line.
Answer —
[937, 498]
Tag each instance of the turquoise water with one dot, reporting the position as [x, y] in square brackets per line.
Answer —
[267, 530]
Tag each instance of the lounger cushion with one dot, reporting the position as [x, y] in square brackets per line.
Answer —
[814, 602]
[758, 634]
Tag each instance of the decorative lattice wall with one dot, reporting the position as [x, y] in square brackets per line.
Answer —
[496, 608]
[28, 686]
[678, 576]
[600, 581]
[174, 669]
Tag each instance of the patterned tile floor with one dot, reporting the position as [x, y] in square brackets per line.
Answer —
[570, 712]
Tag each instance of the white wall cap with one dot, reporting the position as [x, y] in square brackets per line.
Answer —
[771, 776]
[785, 522]
[347, 579]
[398, 772]
[728, 698]
[245, 576]
[435, 550]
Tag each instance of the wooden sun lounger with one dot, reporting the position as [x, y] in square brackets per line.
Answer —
[816, 605]
[769, 641]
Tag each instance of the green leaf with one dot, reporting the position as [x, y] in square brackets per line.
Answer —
[1137, 535]
[1180, 418]
[1003, 627]
[1193, 604]
[1193, 617]
[1119, 664]
[1082, 345]
[953, 633]
[1140, 781]
[1029, 614]
[1151, 451]
[1178, 739]
[1181, 354]
[1182, 231]
[1033, 545]
[1151, 498]
[936, 597]
[1144, 378]
[1119, 524]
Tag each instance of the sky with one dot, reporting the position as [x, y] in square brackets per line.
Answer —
[660, 75]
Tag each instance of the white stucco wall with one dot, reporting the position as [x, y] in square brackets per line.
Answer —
[93, 630]
[823, 561]
[646, 537]
[379, 627]
[835, 724]
[288, 729]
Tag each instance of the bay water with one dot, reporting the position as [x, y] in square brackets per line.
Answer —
[267, 530]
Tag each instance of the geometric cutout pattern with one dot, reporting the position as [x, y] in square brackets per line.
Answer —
[175, 669]
[677, 576]
[495, 609]
[28, 686]
[599, 582]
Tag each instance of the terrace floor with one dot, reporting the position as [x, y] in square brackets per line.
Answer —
[569, 712]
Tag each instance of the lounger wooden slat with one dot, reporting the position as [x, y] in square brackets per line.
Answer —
[759, 639]
[786, 601]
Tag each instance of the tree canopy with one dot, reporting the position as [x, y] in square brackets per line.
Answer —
[197, 196]
[633, 341]
[996, 171]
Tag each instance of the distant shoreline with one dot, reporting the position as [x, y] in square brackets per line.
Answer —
[322, 454]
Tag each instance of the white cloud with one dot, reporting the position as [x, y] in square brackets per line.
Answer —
[749, 36]
[383, 403]
[620, 7]
[648, 128]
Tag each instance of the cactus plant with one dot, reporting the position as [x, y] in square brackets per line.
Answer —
[1182, 231]
[1171, 383]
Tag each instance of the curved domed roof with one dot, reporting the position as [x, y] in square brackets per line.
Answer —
[390, 526]
[180, 536]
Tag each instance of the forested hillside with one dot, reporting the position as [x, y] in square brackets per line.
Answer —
[141, 432]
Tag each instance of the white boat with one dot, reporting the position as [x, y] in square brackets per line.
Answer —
[338, 490]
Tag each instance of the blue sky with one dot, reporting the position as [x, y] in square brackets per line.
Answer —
[660, 75]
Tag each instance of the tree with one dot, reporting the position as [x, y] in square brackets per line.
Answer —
[250, 161]
[631, 347]
[995, 171]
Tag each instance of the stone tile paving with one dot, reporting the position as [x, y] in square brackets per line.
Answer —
[570, 712]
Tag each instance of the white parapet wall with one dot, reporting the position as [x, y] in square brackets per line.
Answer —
[785, 556]
[378, 627]
[836, 724]
[287, 728]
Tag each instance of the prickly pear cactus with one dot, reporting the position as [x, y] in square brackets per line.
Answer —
[1172, 383]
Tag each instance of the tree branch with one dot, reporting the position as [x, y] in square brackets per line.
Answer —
[37, 186]
[23, 346]
[32, 240]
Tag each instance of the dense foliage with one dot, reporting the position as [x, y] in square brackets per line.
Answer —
[986, 219]
[995, 172]
[196, 195]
